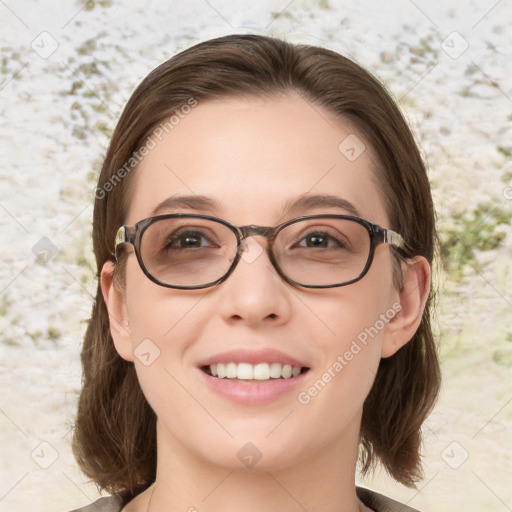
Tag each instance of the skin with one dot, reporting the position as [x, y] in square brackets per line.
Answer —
[251, 156]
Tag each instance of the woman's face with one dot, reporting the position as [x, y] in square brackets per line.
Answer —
[253, 158]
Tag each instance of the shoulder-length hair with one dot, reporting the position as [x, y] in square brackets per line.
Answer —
[115, 435]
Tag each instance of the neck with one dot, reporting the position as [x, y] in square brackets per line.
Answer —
[321, 482]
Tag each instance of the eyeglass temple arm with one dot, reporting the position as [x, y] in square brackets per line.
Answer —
[123, 235]
[120, 236]
[388, 236]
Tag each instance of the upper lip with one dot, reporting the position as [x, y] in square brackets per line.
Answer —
[267, 355]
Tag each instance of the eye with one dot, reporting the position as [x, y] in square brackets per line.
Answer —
[187, 240]
[320, 239]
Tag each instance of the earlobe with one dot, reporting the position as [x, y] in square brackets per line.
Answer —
[412, 298]
[117, 312]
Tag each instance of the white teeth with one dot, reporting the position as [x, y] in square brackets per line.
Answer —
[261, 371]
[231, 370]
[275, 370]
[244, 371]
[221, 371]
[286, 372]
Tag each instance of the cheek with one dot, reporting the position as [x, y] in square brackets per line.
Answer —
[163, 326]
[352, 321]
[333, 398]
[169, 323]
[154, 311]
[352, 345]
[355, 314]
[163, 323]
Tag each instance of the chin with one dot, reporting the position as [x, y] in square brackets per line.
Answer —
[252, 453]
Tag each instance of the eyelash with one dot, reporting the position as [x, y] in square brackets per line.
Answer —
[180, 236]
[323, 234]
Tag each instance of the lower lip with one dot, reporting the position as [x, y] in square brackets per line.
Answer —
[253, 393]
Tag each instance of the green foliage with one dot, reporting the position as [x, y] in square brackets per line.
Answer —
[91, 4]
[503, 357]
[507, 151]
[53, 333]
[4, 305]
[470, 233]
[92, 97]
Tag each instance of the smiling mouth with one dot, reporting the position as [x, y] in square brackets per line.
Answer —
[253, 372]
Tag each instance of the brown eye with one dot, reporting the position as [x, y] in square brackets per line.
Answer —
[320, 239]
[187, 240]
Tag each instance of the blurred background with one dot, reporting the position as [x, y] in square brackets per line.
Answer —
[67, 69]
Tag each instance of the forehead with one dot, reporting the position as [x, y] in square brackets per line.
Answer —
[253, 157]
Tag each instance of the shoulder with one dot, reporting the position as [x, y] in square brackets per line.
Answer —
[110, 504]
[381, 503]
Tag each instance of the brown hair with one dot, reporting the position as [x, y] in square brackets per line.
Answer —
[114, 438]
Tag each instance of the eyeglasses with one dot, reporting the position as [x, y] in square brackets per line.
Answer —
[198, 251]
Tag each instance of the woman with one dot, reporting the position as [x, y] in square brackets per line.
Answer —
[264, 232]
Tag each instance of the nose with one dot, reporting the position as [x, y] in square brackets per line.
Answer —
[254, 293]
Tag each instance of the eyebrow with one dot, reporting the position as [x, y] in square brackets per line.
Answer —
[304, 202]
[192, 202]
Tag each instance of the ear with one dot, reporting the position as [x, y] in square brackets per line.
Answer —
[411, 299]
[117, 312]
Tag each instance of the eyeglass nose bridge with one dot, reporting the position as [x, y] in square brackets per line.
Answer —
[244, 232]
[252, 230]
